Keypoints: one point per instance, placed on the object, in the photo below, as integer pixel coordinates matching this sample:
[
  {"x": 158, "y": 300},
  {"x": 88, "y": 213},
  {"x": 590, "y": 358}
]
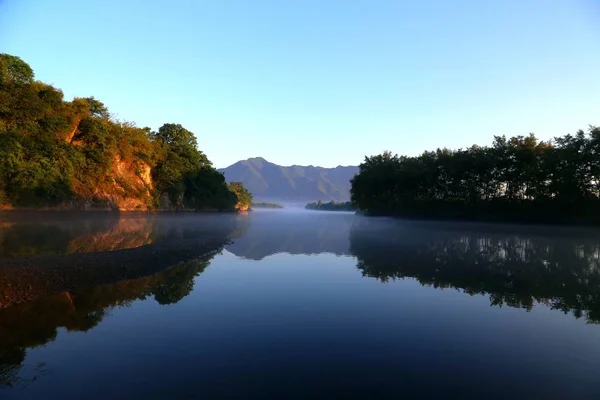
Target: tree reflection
[
  {"x": 92, "y": 266},
  {"x": 35, "y": 323},
  {"x": 24, "y": 234},
  {"x": 514, "y": 270}
]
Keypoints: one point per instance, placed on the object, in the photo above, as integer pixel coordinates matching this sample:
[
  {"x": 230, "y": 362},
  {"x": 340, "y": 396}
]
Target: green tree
[
  {"x": 180, "y": 158},
  {"x": 14, "y": 69},
  {"x": 518, "y": 179},
  {"x": 74, "y": 153},
  {"x": 244, "y": 197},
  {"x": 205, "y": 189}
]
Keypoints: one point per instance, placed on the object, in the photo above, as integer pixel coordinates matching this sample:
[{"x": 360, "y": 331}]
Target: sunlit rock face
[
  {"x": 128, "y": 187},
  {"x": 242, "y": 207}
]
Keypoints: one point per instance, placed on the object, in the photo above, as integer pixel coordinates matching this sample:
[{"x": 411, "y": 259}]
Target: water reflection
[
  {"x": 516, "y": 266},
  {"x": 35, "y": 234},
  {"x": 272, "y": 232},
  {"x": 19, "y": 237},
  {"x": 562, "y": 272},
  {"x": 72, "y": 273},
  {"x": 35, "y": 323}
]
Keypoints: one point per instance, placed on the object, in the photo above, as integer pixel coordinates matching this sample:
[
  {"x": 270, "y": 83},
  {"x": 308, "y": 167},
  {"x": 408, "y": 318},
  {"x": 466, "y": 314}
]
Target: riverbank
[
  {"x": 331, "y": 206},
  {"x": 26, "y": 278},
  {"x": 525, "y": 212},
  {"x": 115, "y": 210}
]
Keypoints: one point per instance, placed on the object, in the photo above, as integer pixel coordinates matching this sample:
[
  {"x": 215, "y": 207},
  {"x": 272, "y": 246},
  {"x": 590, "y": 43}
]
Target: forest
[
  {"x": 331, "y": 206},
  {"x": 74, "y": 154},
  {"x": 521, "y": 179}
]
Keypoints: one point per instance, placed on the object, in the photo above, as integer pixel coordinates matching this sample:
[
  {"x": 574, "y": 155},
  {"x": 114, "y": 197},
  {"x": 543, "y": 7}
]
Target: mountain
[{"x": 268, "y": 181}]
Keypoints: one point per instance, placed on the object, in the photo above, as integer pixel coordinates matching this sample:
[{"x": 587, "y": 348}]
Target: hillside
[
  {"x": 268, "y": 181},
  {"x": 59, "y": 154}
]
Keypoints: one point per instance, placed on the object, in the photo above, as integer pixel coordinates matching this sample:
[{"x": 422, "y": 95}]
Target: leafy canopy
[{"x": 56, "y": 152}]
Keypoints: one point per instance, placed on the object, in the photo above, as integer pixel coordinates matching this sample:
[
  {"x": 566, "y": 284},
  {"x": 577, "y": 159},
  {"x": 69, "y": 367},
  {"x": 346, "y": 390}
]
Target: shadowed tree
[{"x": 516, "y": 179}]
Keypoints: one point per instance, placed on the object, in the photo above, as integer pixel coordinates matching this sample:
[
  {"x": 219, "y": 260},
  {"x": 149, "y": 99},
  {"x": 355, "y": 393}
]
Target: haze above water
[{"x": 295, "y": 304}]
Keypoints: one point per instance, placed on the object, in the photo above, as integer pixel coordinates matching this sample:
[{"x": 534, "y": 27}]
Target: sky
[{"x": 317, "y": 82}]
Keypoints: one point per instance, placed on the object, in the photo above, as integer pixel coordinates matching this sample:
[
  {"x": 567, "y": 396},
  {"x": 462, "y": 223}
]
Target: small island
[
  {"x": 331, "y": 206},
  {"x": 266, "y": 205}
]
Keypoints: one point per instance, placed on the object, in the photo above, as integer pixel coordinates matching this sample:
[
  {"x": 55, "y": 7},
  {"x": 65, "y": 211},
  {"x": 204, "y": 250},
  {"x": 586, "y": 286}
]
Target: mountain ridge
[
  {"x": 269, "y": 181},
  {"x": 258, "y": 158}
]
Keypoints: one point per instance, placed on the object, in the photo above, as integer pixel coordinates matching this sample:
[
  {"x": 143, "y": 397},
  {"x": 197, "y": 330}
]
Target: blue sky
[{"x": 321, "y": 82}]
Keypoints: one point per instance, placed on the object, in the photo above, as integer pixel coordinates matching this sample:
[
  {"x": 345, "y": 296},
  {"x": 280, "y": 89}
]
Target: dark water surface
[{"x": 295, "y": 305}]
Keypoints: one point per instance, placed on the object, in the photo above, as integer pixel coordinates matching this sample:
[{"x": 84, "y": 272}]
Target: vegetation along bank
[
  {"x": 331, "y": 206},
  {"x": 521, "y": 179},
  {"x": 60, "y": 154}
]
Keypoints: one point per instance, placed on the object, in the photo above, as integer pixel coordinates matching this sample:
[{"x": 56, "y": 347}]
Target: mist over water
[{"x": 295, "y": 303}]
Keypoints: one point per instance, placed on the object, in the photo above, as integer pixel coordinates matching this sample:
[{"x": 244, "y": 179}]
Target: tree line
[
  {"x": 331, "y": 206},
  {"x": 516, "y": 179},
  {"x": 55, "y": 152}
]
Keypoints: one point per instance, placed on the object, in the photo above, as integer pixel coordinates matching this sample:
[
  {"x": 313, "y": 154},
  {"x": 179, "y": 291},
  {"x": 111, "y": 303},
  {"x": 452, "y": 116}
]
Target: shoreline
[
  {"x": 491, "y": 221},
  {"x": 113, "y": 210},
  {"x": 32, "y": 277}
]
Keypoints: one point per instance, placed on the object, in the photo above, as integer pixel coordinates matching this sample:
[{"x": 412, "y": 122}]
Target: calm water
[{"x": 296, "y": 304}]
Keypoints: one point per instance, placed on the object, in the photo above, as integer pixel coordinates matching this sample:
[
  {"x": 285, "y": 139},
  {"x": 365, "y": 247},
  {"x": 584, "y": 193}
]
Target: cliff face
[
  {"x": 127, "y": 186},
  {"x": 74, "y": 155},
  {"x": 242, "y": 206}
]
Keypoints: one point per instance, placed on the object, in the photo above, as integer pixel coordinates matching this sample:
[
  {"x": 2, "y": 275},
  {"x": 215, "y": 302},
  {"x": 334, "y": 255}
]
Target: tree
[
  {"x": 518, "y": 179},
  {"x": 73, "y": 153},
  {"x": 183, "y": 142},
  {"x": 97, "y": 108},
  {"x": 244, "y": 197},
  {"x": 180, "y": 160},
  {"x": 14, "y": 70},
  {"x": 205, "y": 189}
]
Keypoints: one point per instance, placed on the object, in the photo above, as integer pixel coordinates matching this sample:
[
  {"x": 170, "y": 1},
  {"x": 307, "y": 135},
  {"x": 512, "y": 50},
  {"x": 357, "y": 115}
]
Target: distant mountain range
[{"x": 271, "y": 182}]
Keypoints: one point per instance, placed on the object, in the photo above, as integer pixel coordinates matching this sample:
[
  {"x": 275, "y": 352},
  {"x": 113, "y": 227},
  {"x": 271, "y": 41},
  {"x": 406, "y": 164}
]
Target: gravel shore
[{"x": 27, "y": 278}]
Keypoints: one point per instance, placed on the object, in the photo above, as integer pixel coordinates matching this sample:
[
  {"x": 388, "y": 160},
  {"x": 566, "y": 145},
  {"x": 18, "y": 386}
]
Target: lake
[{"x": 295, "y": 304}]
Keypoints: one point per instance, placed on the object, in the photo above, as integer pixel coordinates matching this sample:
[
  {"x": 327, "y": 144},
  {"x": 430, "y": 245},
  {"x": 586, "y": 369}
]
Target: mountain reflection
[
  {"x": 62, "y": 273},
  {"x": 272, "y": 232},
  {"x": 562, "y": 272},
  {"x": 516, "y": 266}
]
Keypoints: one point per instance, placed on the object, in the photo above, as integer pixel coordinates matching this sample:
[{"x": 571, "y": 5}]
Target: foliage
[
  {"x": 13, "y": 69},
  {"x": 516, "y": 179},
  {"x": 205, "y": 189},
  {"x": 244, "y": 198},
  {"x": 59, "y": 153},
  {"x": 331, "y": 206}
]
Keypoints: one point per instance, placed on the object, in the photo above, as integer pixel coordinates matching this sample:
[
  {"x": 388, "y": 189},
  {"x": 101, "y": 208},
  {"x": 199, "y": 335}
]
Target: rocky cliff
[{"x": 66, "y": 155}]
